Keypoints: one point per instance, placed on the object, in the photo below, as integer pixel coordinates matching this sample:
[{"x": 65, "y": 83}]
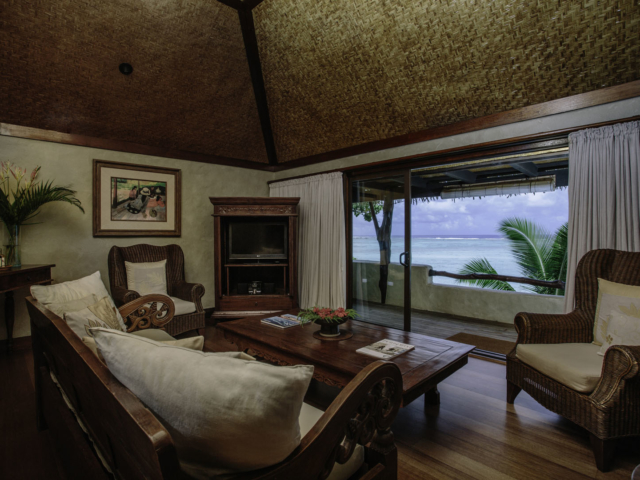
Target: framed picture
[{"x": 135, "y": 200}]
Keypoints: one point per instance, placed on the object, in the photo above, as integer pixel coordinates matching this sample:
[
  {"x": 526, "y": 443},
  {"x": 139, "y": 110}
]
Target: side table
[{"x": 14, "y": 279}]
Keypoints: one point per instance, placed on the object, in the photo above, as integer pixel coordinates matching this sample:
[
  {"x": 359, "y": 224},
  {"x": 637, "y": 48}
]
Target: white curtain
[
  {"x": 604, "y": 198},
  {"x": 321, "y": 240}
]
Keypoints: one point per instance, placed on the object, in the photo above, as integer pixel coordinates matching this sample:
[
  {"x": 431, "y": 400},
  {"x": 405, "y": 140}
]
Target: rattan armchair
[
  {"x": 176, "y": 285},
  {"x": 612, "y": 410}
]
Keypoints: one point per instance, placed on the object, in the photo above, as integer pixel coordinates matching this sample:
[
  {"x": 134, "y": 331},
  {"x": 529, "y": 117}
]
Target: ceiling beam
[
  {"x": 463, "y": 175},
  {"x": 259, "y": 91},
  {"x": 528, "y": 168}
]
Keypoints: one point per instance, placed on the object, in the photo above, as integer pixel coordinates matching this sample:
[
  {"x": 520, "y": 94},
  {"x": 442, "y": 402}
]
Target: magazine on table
[
  {"x": 385, "y": 349},
  {"x": 282, "y": 321}
]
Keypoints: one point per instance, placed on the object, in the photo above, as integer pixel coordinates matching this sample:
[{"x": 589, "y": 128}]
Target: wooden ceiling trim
[
  {"x": 255, "y": 68},
  {"x": 553, "y": 107},
  {"x": 19, "y": 131}
]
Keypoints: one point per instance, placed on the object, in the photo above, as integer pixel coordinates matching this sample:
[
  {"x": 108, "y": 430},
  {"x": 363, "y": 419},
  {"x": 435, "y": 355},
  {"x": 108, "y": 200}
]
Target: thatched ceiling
[
  {"x": 342, "y": 73},
  {"x": 337, "y": 73},
  {"x": 190, "y": 88}
]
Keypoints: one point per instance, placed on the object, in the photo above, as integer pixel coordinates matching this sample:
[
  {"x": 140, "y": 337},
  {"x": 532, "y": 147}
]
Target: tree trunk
[{"x": 383, "y": 235}]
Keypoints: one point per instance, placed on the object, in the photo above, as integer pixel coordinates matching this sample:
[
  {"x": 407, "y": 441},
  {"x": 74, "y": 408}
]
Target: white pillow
[
  {"x": 146, "y": 278},
  {"x": 192, "y": 343},
  {"x": 613, "y": 298},
  {"x": 622, "y": 330},
  {"x": 72, "y": 306},
  {"x": 74, "y": 290},
  {"x": 224, "y": 414},
  {"x": 101, "y": 314}
]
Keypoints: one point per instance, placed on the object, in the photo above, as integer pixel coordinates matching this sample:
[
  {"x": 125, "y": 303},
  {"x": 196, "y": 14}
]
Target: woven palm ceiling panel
[
  {"x": 343, "y": 73},
  {"x": 190, "y": 88}
]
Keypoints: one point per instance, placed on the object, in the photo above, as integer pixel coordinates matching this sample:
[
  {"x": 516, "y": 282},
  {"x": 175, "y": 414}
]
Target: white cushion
[
  {"x": 575, "y": 365},
  {"x": 309, "y": 416},
  {"x": 74, "y": 290},
  {"x": 622, "y": 330},
  {"x": 100, "y": 314},
  {"x": 146, "y": 278},
  {"x": 192, "y": 343},
  {"x": 613, "y": 298},
  {"x": 182, "y": 306},
  {"x": 154, "y": 334},
  {"x": 72, "y": 306},
  {"x": 224, "y": 414}
]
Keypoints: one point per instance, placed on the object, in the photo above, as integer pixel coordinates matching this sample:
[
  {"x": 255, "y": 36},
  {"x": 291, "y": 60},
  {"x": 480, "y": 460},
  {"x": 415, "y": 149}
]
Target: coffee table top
[{"x": 337, "y": 362}]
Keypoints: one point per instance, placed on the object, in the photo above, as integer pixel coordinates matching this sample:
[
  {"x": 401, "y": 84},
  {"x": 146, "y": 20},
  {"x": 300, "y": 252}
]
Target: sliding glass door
[{"x": 380, "y": 258}]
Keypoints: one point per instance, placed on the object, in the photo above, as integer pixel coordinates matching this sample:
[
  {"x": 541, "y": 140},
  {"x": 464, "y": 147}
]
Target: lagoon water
[{"x": 448, "y": 253}]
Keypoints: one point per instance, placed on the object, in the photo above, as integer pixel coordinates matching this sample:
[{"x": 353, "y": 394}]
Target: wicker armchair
[
  {"x": 612, "y": 410},
  {"x": 177, "y": 287}
]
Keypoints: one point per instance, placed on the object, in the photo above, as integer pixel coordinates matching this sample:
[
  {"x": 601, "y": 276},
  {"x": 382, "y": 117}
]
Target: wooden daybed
[{"x": 109, "y": 420}]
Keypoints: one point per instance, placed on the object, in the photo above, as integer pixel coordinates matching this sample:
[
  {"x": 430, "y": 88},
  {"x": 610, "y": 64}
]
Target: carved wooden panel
[{"x": 252, "y": 210}]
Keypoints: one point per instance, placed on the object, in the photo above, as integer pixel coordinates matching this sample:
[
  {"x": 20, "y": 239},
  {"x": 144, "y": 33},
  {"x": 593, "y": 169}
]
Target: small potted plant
[{"x": 328, "y": 319}]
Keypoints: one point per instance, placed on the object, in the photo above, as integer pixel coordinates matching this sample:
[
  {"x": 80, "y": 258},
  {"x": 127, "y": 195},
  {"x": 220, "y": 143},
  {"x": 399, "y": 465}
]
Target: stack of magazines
[
  {"x": 385, "y": 349},
  {"x": 282, "y": 321}
]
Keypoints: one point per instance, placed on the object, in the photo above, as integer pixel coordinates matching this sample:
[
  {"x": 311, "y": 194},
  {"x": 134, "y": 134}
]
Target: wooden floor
[
  {"x": 435, "y": 324},
  {"x": 474, "y": 434}
]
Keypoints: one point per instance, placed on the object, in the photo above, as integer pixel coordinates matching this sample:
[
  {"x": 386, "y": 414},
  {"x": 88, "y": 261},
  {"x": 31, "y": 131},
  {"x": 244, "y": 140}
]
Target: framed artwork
[{"x": 135, "y": 200}]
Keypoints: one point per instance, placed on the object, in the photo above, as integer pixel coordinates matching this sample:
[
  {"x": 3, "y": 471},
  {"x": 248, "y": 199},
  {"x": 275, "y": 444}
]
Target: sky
[{"x": 470, "y": 216}]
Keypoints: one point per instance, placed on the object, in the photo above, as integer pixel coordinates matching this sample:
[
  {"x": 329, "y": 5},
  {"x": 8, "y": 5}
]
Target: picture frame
[{"x": 136, "y": 200}]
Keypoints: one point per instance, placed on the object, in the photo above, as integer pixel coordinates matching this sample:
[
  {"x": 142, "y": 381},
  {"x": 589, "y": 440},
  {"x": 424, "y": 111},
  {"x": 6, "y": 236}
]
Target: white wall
[{"x": 65, "y": 236}]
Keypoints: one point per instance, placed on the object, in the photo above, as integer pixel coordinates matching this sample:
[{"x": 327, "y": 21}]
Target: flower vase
[
  {"x": 12, "y": 257},
  {"x": 329, "y": 330}
]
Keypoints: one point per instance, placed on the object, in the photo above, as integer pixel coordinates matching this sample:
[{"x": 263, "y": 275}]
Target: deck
[{"x": 433, "y": 324}]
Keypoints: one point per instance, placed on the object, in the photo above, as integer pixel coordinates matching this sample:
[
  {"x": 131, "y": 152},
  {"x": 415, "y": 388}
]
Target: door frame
[{"x": 348, "y": 180}]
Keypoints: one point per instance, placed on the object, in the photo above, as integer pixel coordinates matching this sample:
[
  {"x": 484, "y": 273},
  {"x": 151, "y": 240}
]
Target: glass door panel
[{"x": 380, "y": 244}]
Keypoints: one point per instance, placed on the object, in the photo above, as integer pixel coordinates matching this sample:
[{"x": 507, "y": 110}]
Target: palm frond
[
  {"x": 482, "y": 265},
  {"x": 530, "y": 244},
  {"x": 559, "y": 257}
]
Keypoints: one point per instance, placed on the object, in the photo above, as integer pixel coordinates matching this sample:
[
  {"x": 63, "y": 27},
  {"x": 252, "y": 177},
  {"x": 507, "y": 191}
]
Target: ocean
[{"x": 445, "y": 252}]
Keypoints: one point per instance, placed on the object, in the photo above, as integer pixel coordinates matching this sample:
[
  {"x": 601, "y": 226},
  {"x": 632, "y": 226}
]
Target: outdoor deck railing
[{"x": 504, "y": 278}]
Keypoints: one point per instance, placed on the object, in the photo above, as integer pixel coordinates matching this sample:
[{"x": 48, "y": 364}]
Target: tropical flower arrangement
[
  {"x": 21, "y": 197},
  {"x": 329, "y": 319}
]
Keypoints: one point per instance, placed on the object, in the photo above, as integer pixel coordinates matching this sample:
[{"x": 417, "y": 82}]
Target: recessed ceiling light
[{"x": 125, "y": 68}]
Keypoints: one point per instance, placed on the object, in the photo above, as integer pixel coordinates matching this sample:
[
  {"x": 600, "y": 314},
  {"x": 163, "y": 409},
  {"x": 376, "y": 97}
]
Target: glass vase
[{"x": 12, "y": 249}]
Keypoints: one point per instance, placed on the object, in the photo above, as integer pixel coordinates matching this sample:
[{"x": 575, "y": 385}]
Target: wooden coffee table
[{"x": 336, "y": 362}]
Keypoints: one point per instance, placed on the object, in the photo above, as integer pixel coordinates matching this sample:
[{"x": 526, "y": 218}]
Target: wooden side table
[{"x": 14, "y": 279}]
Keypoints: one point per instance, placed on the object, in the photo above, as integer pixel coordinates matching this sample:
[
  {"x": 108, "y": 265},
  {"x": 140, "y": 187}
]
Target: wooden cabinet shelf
[{"x": 232, "y": 274}]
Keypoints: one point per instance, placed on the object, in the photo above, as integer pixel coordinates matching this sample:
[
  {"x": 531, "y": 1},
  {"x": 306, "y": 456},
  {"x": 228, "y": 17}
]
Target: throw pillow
[
  {"x": 192, "y": 343},
  {"x": 224, "y": 414},
  {"x": 622, "y": 330},
  {"x": 72, "y": 306},
  {"x": 74, "y": 290},
  {"x": 613, "y": 298},
  {"x": 146, "y": 278},
  {"x": 101, "y": 314}
]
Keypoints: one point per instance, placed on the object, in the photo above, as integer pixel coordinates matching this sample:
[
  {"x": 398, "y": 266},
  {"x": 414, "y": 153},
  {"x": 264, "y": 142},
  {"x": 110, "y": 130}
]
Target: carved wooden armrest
[
  {"x": 574, "y": 327},
  {"x": 361, "y": 414},
  {"x": 621, "y": 364},
  {"x": 149, "y": 311}
]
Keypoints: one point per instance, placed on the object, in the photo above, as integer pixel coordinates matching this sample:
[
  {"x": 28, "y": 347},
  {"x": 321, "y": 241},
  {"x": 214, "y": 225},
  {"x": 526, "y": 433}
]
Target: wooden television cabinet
[{"x": 279, "y": 276}]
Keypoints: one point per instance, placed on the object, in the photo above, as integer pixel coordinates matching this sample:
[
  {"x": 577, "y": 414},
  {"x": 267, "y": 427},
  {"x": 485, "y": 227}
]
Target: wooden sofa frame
[{"x": 108, "y": 418}]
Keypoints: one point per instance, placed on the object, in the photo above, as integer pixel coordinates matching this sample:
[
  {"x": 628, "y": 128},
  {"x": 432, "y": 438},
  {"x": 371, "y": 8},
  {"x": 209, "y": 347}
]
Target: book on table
[
  {"x": 282, "y": 321},
  {"x": 385, "y": 349}
]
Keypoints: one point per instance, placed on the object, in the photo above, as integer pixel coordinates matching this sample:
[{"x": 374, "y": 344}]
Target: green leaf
[{"x": 482, "y": 265}]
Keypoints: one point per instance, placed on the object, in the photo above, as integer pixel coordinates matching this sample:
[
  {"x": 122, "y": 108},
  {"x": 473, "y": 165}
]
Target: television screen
[{"x": 257, "y": 240}]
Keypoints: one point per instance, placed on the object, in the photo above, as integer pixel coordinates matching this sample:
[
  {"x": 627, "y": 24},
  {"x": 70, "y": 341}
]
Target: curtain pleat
[
  {"x": 321, "y": 245},
  {"x": 604, "y": 194}
]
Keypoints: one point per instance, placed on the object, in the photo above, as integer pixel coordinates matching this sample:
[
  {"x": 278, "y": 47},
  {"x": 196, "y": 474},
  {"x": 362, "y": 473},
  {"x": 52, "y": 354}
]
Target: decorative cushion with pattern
[
  {"x": 100, "y": 314},
  {"x": 622, "y": 329},
  {"x": 613, "y": 298}
]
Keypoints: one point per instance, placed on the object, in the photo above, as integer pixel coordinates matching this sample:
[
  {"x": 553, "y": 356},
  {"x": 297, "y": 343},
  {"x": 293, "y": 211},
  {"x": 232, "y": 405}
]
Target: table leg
[
  {"x": 432, "y": 397},
  {"x": 9, "y": 317}
]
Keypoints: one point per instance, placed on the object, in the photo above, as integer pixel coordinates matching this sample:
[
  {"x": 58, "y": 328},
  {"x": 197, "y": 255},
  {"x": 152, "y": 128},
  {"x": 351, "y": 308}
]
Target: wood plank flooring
[
  {"x": 435, "y": 324},
  {"x": 474, "y": 434}
]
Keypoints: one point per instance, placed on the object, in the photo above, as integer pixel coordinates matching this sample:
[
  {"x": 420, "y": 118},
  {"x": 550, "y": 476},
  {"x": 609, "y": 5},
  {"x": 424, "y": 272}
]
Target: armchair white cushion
[
  {"x": 147, "y": 278},
  {"x": 575, "y": 365}
]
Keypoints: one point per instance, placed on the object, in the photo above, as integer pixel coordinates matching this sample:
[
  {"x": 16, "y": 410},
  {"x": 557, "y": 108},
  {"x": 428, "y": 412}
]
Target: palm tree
[{"x": 539, "y": 254}]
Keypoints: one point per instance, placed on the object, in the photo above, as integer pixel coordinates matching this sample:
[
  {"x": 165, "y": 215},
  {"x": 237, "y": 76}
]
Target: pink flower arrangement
[{"x": 326, "y": 315}]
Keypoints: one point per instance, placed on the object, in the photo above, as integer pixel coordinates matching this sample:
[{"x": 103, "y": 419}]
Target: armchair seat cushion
[
  {"x": 575, "y": 365},
  {"x": 183, "y": 307},
  {"x": 309, "y": 416}
]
